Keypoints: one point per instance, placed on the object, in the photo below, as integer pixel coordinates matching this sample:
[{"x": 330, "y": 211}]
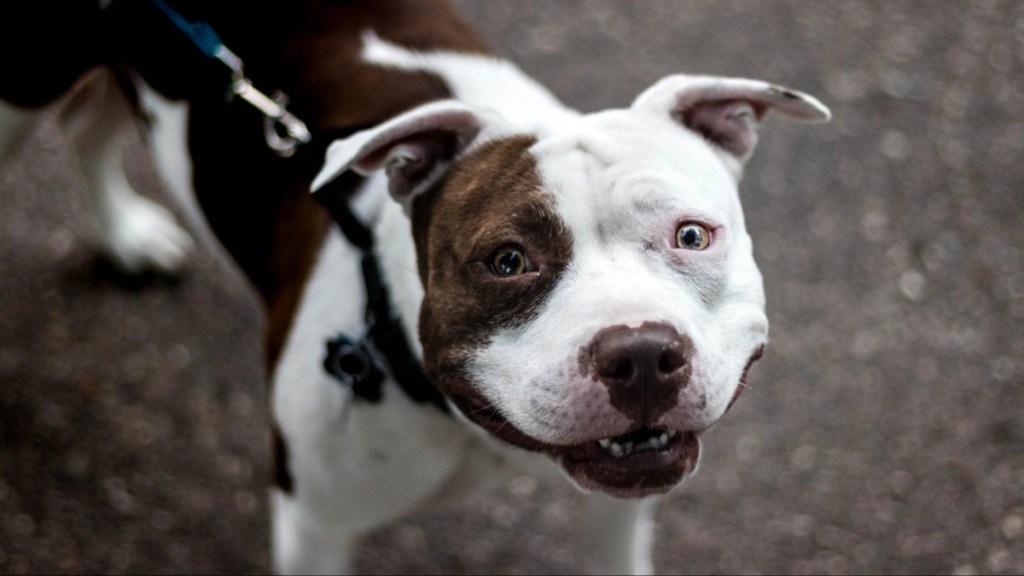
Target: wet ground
[{"x": 884, "y": 432}]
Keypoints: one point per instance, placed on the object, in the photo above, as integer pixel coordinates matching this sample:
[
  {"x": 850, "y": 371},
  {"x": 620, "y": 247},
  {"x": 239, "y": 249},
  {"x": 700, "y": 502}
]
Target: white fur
[{"x": 486, "y": 83}]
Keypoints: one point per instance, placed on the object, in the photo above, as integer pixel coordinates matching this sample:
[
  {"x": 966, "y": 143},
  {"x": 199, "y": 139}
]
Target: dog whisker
[{"x": 751, "y": 388}]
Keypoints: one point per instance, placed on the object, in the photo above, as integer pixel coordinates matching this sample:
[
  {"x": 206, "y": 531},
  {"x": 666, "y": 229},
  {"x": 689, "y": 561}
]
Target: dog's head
[{"x": 590, "y": 290}]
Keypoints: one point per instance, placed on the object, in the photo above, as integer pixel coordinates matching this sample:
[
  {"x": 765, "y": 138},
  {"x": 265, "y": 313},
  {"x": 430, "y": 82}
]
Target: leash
[
  {"x": 283, "y": 131},
  {"x": 358, "y": 363}
]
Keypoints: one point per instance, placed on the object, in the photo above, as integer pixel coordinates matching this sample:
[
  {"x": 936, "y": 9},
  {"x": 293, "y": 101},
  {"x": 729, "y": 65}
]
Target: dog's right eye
[{"x": 510, "y": 261}]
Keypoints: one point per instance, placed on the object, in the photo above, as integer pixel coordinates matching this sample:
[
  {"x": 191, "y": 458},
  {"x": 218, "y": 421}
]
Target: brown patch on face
[
  {"x": 490, "y": 199},
  {"x": 644, "y": 368}
]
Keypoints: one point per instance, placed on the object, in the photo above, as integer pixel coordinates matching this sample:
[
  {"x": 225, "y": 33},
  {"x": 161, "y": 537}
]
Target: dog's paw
[{"x": 143, "y": 236}]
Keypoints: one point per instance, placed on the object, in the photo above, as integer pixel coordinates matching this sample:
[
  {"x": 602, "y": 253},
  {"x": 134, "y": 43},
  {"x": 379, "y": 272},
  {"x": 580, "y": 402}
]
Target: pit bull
[{"x": 576, "y": 292}]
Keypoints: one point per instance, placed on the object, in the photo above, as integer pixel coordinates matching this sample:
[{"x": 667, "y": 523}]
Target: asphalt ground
[{"x": 883, "y": 432}]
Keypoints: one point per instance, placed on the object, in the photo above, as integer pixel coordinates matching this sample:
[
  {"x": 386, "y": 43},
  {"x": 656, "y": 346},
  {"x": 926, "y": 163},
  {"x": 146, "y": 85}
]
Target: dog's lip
[
  {"x": 592, "y": 466},
  {"x": 488, "y": 417}
]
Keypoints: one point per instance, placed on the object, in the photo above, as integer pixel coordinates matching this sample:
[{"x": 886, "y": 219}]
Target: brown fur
[{"x": 492, "y": 198}]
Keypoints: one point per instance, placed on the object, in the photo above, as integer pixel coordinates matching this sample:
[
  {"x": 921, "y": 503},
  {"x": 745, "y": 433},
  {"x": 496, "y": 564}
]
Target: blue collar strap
[{"x": 202, "y": 35}]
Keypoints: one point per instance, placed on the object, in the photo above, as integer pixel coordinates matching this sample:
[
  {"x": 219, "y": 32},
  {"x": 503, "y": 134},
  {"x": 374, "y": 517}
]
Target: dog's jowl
[{"x": 512, "y": 286}]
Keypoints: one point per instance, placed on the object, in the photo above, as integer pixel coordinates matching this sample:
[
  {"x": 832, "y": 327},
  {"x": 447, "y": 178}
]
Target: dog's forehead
[
  {"x": 490, "y": 186},
  {"x": 616, "y": 164},
  {"x": 619, "y": 161}
]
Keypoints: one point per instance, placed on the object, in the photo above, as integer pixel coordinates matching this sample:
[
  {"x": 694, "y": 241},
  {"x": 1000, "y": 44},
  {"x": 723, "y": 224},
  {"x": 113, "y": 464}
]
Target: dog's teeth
[
  {"x": 614, "y": 448},
  {"x": 619, "y": 450}
]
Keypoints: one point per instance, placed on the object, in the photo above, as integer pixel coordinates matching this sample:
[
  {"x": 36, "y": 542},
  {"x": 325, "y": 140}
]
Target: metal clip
[
  {"x": 294, "y": 130},
  {"x": 282, "y": 130},
  {"x": 230, "y": 59}
]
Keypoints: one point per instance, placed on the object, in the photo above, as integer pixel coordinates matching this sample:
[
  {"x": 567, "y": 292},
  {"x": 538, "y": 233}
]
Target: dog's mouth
[
  {"x": 641, "y": 462},
  {"x": 638, "y": 463}
]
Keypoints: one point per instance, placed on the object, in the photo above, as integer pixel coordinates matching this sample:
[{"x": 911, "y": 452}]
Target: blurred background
[{"x": 884, "y": 430}]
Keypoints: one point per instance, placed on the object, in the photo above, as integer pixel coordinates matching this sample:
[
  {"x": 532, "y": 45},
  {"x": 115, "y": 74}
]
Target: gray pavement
[{"x": 884, "y": 431}]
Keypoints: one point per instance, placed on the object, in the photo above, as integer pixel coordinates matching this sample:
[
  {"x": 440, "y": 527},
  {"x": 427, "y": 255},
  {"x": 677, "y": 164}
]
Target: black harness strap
[{"x": 354, "y": 362}]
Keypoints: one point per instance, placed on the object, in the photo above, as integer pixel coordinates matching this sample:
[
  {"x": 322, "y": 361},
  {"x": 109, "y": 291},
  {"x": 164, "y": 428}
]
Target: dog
[{"x": 581, "y": 287}]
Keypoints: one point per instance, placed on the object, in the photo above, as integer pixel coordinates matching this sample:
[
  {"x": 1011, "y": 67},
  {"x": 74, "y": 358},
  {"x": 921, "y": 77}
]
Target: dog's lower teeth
[{"x": 619, "y": 450}]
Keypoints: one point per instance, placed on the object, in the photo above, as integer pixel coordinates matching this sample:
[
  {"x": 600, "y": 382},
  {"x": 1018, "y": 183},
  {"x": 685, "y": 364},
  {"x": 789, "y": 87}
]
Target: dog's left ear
[
  {"x": 414, "y": 148},
  {"x": 727, "y": 111}
]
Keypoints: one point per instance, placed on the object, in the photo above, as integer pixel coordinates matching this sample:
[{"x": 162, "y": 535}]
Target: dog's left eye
[
  {"x": 509, "y": 261},
  {"x": 692, "y": 236}
]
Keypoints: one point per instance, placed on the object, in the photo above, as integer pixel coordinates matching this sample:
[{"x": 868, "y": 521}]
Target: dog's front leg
[
  {"x": 619, "y": 534},
  {"x": 304, "y": 545}
]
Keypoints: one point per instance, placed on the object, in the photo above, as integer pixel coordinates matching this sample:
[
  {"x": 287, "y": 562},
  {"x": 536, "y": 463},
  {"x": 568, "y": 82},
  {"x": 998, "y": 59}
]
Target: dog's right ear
[{"x": 414, "y": 148}]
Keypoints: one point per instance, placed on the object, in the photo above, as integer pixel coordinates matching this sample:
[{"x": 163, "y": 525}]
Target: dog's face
[{"x": 590, "y": 290}]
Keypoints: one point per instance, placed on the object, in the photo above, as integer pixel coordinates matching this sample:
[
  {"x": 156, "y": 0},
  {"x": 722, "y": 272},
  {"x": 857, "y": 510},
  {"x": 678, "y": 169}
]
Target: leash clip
[{"x": 283, "y": 131}]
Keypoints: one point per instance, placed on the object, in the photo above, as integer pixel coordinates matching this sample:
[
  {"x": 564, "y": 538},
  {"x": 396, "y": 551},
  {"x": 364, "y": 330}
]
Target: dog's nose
[{"x": 644, "y": 368}]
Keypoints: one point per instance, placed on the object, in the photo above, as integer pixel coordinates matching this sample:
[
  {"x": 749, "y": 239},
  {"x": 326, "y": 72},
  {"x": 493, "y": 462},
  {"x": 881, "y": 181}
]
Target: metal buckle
[
  {"x": 285, "y": 133},
  {"x": 281, "y": 129}
]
